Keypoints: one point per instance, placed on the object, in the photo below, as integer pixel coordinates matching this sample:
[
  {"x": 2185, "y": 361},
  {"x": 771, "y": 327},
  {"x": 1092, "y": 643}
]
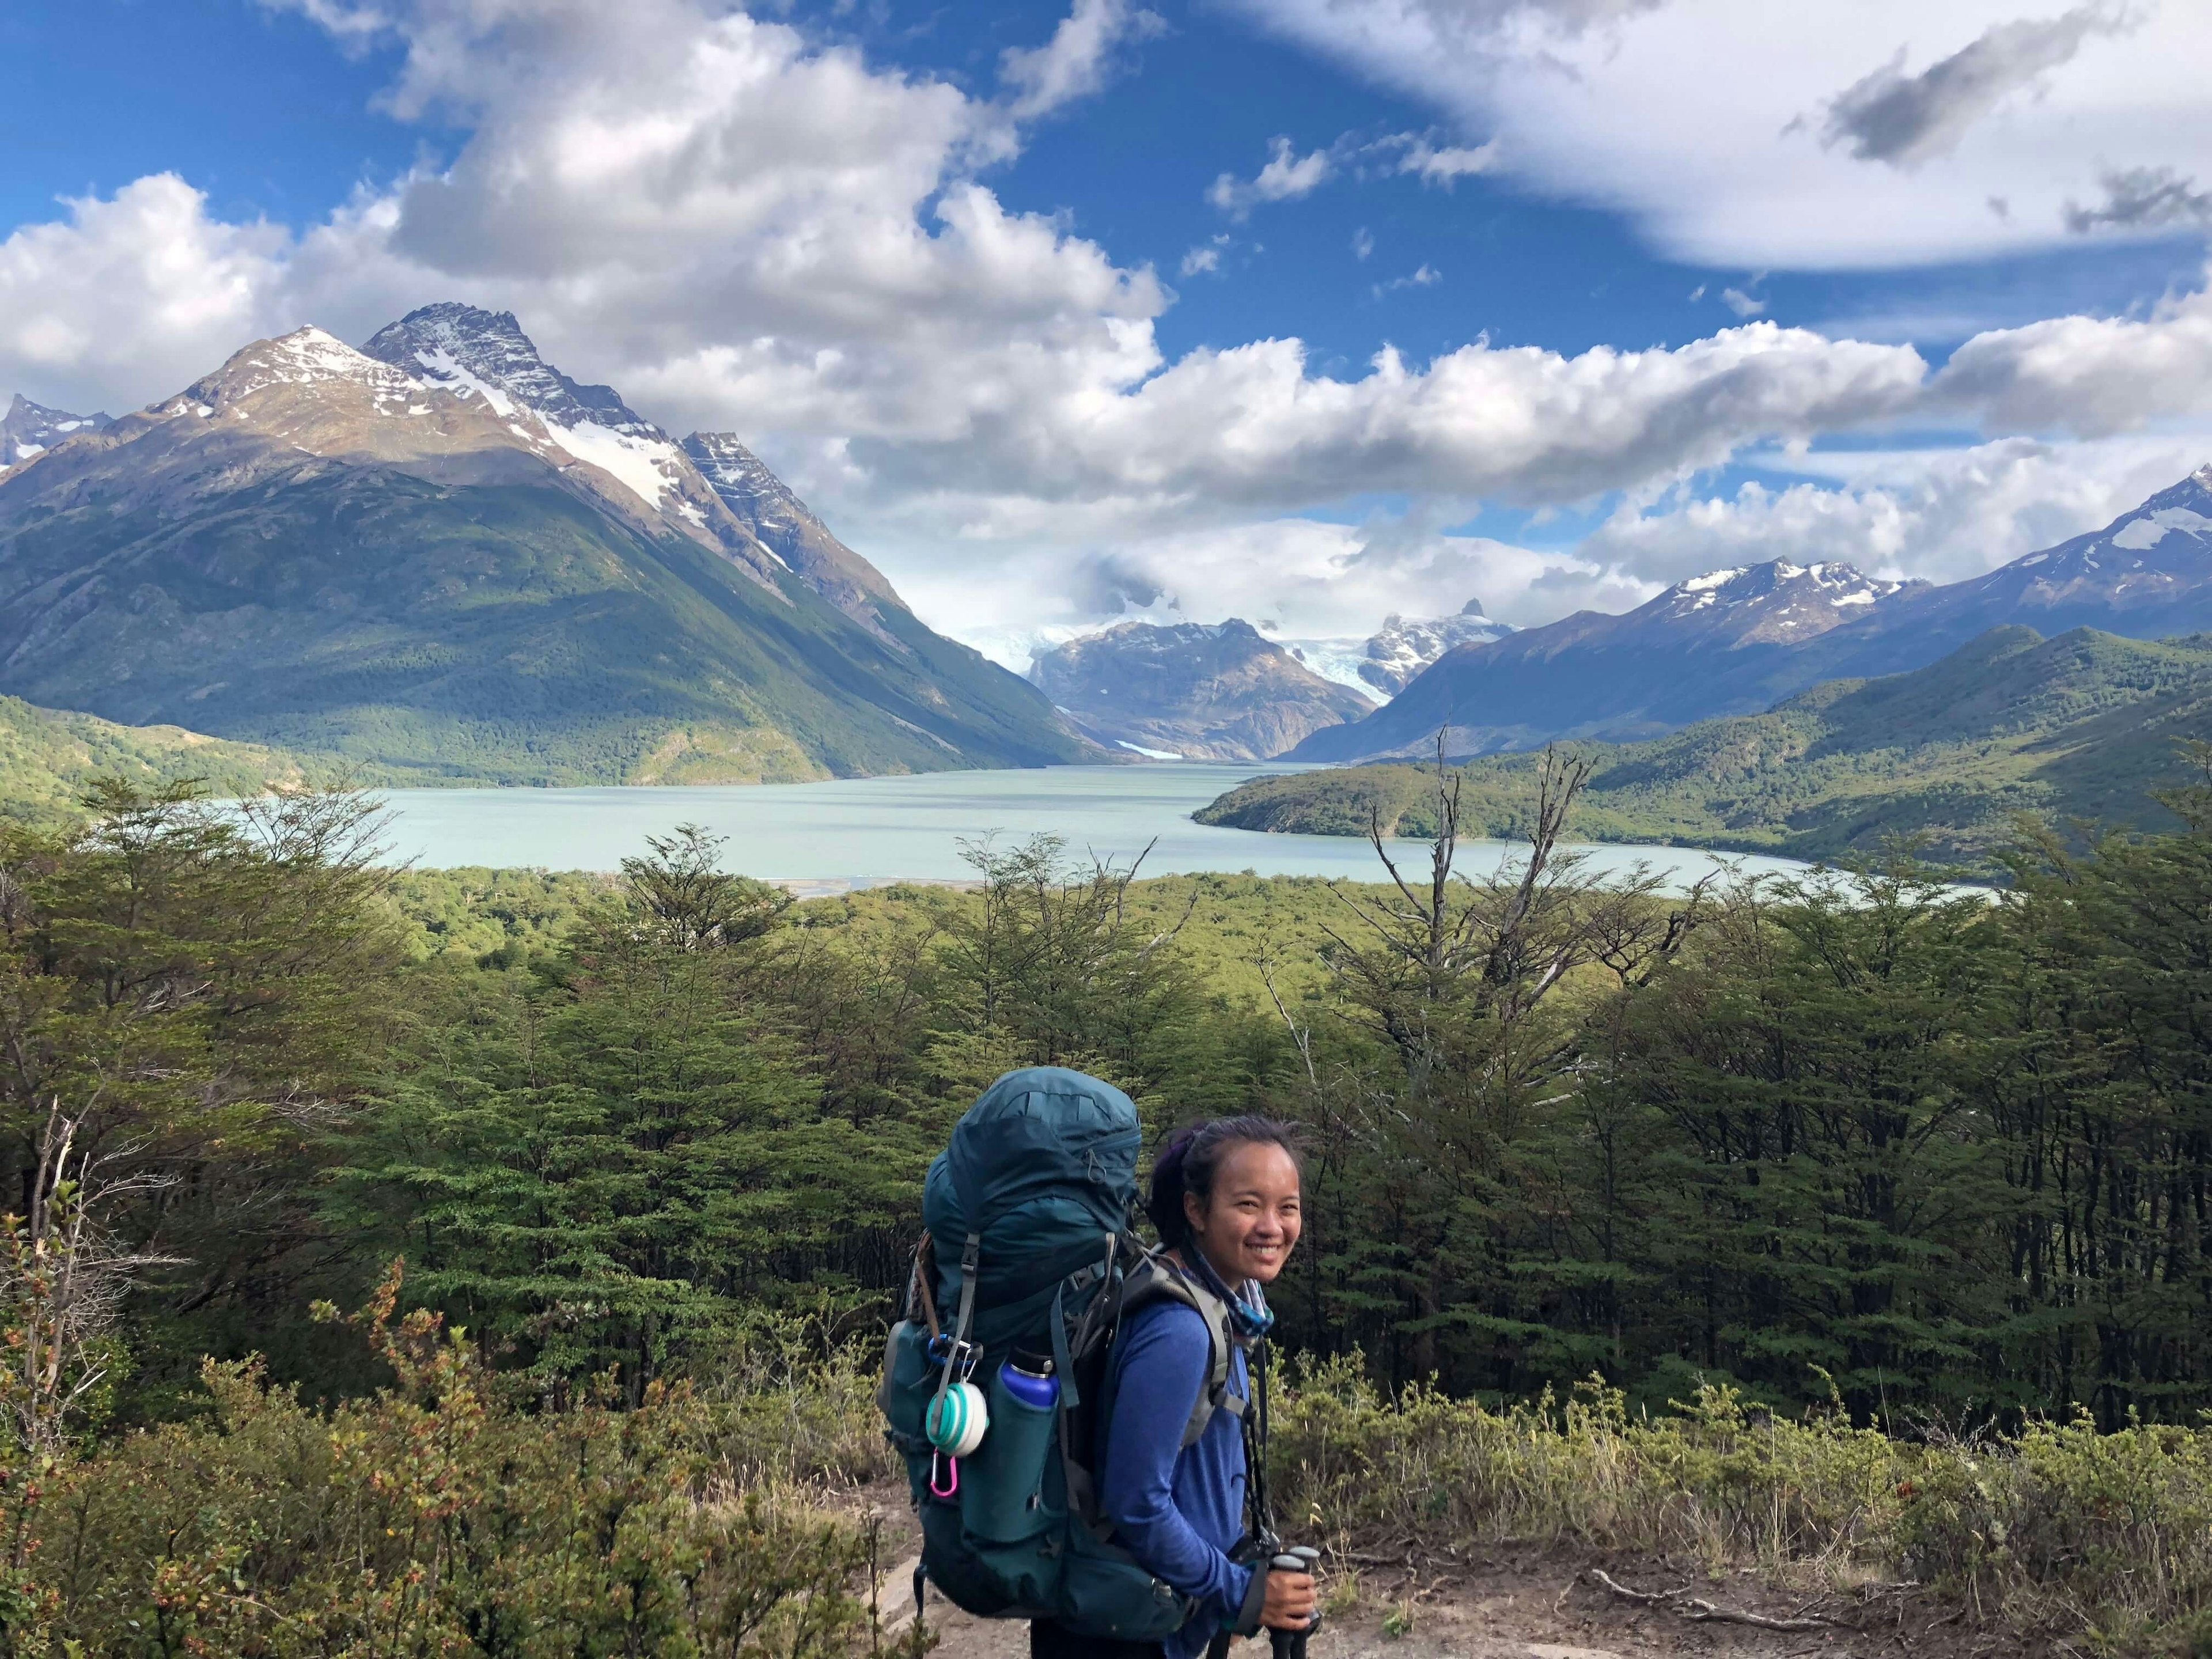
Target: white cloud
[
  {"x": 1427, "y": 275},
  {"x": 1943, "y": 515},
  {"x": 1700, "y": 119},
  {"x": 1362, "y": 243},
  {"x": 134, "y": 294},
  {"x": 1204, "y": 257},
  {"x": 1741, "y": 303},
  {"x": 1285, "y": 177},
  {"x": 1313, "y": 578},
  {"x": 1078, "y": 59},
  {"x": 2087, "y": 376},
  {"x": 1442, "y": 165}
]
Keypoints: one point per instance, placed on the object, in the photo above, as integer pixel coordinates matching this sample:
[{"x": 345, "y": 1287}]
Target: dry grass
[{"x": 2103, "y": 1540}]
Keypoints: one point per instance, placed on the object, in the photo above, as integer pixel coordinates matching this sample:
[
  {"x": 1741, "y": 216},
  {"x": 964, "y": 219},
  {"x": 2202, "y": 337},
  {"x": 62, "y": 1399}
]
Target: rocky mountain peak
[
  {"x": 486, "y": 353},
  {"x": 765, "y": 506},
  {"x": 305, "y": 358},
  {"x": 743, "y": 481},
  {"x": 1398, "y": 651},
  {"x": 1773, "y": 602},
  {"x": 29, "y": 428}
]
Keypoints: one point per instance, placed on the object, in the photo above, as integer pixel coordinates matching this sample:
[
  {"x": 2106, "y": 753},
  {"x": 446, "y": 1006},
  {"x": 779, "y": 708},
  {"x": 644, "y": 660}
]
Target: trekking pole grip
[{"x": 1291, "y": 1643}]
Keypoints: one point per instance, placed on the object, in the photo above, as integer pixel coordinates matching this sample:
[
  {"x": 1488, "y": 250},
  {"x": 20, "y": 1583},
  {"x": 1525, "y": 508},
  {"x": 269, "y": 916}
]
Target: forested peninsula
[
  {"x": 2086, "y": 725},
  {"x": 496, "y": 1261}
]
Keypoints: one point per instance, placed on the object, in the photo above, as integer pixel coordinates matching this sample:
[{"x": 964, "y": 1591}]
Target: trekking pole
[{"x": 1291, "y": 1643}]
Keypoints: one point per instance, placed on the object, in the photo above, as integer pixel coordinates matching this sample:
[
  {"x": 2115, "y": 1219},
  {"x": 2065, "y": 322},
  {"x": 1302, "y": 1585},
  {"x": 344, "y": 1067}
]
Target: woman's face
[{"x": 1251, "y": 1220}]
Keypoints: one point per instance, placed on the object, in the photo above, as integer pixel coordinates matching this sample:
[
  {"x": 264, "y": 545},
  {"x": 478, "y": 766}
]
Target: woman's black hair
[{"x": 1190, "y": 1159}]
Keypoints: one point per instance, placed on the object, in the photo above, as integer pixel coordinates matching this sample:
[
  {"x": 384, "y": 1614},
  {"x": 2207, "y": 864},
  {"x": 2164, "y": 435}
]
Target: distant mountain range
[
  {"x": 441, "y": 559},
  {"x": 1191, "y": 690},
  {"x": 2086, "y": 725},
  {"x": 1226, "y": 691},
  {"x": 1739, "y": 640}
]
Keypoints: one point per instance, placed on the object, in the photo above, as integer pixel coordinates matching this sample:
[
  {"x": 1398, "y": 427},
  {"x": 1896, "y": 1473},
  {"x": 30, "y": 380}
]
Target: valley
[{"x": 439, "y": 560}]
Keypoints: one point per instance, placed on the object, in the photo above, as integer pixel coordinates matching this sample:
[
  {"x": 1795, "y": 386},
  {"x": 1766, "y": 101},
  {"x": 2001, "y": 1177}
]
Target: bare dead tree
[
  {"x": 1494, "y": 948},
  {"x": 63, "y": 1277}
]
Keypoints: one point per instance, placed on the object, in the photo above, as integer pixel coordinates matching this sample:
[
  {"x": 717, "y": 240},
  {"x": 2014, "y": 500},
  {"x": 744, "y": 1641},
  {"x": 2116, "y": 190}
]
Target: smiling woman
[{"x": 1174, "y": 1476}]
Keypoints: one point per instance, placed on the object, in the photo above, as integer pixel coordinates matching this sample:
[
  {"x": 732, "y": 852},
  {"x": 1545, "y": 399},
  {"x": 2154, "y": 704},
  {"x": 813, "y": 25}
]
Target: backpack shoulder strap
[{"x": 1158, "y": 1279}]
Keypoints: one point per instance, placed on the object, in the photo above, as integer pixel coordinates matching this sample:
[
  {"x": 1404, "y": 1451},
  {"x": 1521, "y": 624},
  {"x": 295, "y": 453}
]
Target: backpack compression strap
[{"x": 971, "y": 1205}]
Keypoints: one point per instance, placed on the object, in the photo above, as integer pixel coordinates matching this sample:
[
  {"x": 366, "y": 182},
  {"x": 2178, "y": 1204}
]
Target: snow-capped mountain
[
  {"x": 1707, "y": 646},
  {"x": 1191, "y": 690},
  {"x": 485, "y": 356},
  {"x": 446, "y": 559},
  {"x": 1384, "y": 663},
  {"x": 29, "y": 428},
  {"x": 1398, "y": 651},
  {"x": 1738, "y": 640},
  {"x": 2146, "y": 574},
  {"x": 1777, "y": 602},
  {"x": 709, "y": 485},
  {"x": 487, "y": 352}
]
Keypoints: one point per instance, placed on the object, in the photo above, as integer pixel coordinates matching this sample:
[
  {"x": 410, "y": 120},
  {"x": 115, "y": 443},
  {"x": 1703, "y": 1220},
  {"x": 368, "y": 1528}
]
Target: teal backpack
[{"x": 1028, "y": 1266}]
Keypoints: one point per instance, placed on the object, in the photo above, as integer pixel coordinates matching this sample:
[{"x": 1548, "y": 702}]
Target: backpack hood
[{"x": 1043, "y": 1167}]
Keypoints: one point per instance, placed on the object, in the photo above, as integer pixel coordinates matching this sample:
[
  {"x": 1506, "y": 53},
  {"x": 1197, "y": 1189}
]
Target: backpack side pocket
[
  {"x": 1002, "y": 1493},
  {"x": 902, "y": 1396}
]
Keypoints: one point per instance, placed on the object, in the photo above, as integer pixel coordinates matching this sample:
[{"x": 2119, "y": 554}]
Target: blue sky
[{"x": 994, "y": 284}]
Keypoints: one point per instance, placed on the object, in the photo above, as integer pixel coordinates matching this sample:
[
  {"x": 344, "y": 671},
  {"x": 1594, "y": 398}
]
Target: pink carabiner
[{"x": 952, "y": 1470}]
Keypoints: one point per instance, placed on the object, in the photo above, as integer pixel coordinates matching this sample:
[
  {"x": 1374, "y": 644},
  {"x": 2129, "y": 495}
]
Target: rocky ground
[{"x": 1542, "y": 1604}]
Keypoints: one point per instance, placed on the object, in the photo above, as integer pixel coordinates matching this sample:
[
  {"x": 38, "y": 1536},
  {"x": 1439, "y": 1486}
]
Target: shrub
[{"x": 442, "y": 1515}]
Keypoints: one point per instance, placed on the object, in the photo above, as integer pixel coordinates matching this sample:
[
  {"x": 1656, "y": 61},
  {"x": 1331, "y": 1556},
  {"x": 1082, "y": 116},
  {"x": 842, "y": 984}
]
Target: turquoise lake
[{"x": 866, "y": 830}]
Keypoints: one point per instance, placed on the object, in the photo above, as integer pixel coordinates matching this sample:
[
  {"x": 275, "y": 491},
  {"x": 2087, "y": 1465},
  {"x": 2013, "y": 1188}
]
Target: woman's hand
[{"x": 1290, "y": 1603}]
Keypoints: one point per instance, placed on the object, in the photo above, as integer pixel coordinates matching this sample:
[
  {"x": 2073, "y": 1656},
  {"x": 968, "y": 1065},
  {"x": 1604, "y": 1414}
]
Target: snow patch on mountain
[
  {"x": 444, "y": 366},
  {"x": 28, "y": 429},
  {"x": 646, "y": 465},
  {"x": 2153, "y": 528}
]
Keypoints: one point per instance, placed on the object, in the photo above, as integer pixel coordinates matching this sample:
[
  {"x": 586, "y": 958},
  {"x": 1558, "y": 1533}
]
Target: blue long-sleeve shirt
[{"x": 1178, "y": 1509}]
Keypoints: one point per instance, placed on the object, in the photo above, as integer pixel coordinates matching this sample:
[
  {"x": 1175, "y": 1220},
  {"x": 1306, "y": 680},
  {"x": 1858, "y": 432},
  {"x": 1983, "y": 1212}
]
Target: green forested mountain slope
[
  {"x": 314, "y": 548},
  {"x": 47, "y": 755},
  {"x": 2085, "y": 725},
  {"x": 513, "y": 634}
]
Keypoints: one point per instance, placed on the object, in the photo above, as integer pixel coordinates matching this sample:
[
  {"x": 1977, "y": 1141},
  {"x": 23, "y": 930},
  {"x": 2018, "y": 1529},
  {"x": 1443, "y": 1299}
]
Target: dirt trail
[{"x": 1537, "y": 1604}]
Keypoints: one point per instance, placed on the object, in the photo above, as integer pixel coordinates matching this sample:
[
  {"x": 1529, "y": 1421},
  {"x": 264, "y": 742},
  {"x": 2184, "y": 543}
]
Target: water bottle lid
[{"x": 1038, "y": 1390}]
